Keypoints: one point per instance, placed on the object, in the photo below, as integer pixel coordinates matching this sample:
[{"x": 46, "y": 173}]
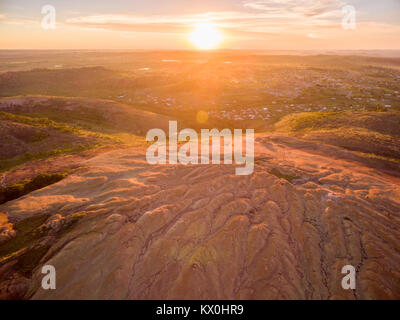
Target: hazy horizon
[{"x": 389, "y": 53}]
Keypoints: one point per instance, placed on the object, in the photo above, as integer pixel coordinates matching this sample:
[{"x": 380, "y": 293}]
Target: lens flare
[{"x": 206, "y": 36}]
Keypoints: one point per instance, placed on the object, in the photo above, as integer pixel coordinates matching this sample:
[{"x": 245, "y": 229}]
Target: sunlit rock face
[{"x": 202, "y": 232}]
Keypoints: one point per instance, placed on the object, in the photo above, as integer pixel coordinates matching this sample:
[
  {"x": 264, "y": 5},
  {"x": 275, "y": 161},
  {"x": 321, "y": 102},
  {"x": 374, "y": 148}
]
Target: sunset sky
[{"x": 168, "y": 24}]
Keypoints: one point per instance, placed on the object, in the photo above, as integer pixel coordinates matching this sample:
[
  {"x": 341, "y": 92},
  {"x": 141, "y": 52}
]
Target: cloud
[
  {"x": 155, "y": 24},
  {"x": 257, "y": 17},
  {"x": 312, "y": 19},
  {"x": 18, "y": 20},
  {"x": 238, "y": 22},
  {"x": 163, "y": 24},
  {"x": 306, "y": 8},
  {"x": 128, "y": 23}
]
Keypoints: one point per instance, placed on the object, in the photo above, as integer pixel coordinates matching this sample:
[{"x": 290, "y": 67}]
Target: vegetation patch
[
  {"x": 26, "y": 248},
  {"x": 70, "y": 223},
  {"x": 38, "y": 122},
  {"x": 280, "y": 175},
  {"x": 30, "y": 156},
  {"x": 17, "y": 190},
  {"x": 74, "y": 138},
  {"x": 20, "y": 246},
  {"x": 305, "y": 121},
  {"x": 29, "y": 260},
  {"x": 27, "y": 231}
]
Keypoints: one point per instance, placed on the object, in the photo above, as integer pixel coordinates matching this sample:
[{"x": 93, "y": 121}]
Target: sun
[{"x": 206, "y": 36}]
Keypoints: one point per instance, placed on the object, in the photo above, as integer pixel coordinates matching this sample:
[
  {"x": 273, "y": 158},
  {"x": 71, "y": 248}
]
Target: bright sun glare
[{"x": 206, "y": 36}]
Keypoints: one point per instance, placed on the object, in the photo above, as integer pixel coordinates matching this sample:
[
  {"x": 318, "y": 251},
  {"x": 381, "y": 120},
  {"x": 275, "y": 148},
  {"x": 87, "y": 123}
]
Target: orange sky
[{"x": 264, "y": 24}]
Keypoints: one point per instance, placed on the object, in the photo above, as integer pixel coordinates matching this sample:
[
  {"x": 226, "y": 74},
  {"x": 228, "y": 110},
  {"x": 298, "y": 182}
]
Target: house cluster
[
  {"x": 273, "y": 92},
  {"x": 268, "y": 112},
  {"x": 165, "y": 102}
]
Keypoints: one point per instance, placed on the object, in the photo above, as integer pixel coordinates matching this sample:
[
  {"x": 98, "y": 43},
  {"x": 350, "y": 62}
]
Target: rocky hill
[{"x": 118, "y": 228}]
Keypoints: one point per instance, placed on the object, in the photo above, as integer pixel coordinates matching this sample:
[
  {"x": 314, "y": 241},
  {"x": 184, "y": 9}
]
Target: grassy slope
[
  {"x": 34, "y": 129},
  {"x": 375, "y": 135}
]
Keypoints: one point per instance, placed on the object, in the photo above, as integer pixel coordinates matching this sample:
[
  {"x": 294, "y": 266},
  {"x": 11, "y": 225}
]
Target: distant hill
[
  {"x": 93, "y": 114},
  {"x": 84, "y": 82}
]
